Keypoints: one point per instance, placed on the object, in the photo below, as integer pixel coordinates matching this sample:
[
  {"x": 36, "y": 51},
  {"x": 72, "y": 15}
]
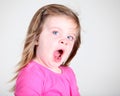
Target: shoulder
[
  {"x": 30, "y": 79},
  {"x": 31, "y": 70},
  {"x": 67, "y": 69},
  {"x": 30, "y": 73}
]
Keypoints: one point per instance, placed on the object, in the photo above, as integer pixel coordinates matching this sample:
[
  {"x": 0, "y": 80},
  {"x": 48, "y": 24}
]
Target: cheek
[
  {"x": 39, "y": 50},
  {"x": 70, "y": 48},
  {"x": 72, "y": 45}
]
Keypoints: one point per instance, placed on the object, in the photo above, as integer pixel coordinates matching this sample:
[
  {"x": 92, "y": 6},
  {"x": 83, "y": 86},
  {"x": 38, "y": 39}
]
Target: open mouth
[
  {"x": 60, "y": 52},
  {"x": 58, "y": 55}
]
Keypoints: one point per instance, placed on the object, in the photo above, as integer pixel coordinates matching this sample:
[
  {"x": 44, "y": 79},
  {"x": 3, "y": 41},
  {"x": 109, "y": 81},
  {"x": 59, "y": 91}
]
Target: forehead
[{"x": 61, "y": 22}]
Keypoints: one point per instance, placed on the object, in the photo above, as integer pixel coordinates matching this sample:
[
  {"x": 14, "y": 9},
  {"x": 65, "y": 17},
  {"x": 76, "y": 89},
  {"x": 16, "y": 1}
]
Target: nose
[{"x": 63, "y": 41}]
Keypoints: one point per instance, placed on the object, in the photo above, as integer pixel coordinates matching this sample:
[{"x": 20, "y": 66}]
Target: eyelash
[
  {"x": 71, "y": 38},
  {"x": 55, "y": 32}
]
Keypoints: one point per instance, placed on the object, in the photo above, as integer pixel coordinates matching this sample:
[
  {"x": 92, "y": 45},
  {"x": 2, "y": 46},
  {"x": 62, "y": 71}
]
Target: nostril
[{"x": 64, "y": 42}]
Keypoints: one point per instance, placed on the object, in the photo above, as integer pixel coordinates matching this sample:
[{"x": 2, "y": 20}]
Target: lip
[{"x": 58, "y": 55}]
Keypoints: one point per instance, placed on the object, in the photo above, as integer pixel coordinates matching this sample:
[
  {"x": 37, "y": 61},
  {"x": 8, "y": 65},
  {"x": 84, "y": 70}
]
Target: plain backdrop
[{"x": 97, "y": 63}]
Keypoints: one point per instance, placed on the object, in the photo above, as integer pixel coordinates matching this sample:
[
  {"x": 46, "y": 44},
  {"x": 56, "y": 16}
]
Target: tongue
[{"x": 57, "y": 56}]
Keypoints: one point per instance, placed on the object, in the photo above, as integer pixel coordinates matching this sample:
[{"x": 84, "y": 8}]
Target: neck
[{"x": 54, "y": 69}]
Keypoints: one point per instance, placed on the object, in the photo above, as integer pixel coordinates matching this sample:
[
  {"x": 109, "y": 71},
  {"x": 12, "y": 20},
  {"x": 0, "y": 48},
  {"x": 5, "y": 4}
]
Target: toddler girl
[{"x": 52, "y": 40}]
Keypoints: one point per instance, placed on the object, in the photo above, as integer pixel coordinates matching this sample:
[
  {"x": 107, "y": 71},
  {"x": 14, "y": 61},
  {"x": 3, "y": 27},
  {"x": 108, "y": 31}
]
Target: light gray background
[{"x": 97, "y": 63}]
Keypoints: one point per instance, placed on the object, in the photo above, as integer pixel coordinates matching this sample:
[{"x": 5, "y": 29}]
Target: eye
[
  {"x": 70, "y": 38},
  {"x": 55, "y": 32}
]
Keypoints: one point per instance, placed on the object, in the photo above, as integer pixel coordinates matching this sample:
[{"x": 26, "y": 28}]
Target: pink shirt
[{"x": 36, "y": 80}]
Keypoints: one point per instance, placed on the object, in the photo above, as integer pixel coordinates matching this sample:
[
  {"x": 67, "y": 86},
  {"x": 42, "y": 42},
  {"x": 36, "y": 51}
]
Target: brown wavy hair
[{"x": 35, "y": 28}]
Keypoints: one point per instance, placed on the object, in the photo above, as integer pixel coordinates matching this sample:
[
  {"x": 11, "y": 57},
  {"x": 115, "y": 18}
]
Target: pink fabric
[{"x": 36, "y": 80}]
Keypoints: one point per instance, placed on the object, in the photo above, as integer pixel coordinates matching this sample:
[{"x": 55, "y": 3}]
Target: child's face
[{"x": 56, "y": 41}]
